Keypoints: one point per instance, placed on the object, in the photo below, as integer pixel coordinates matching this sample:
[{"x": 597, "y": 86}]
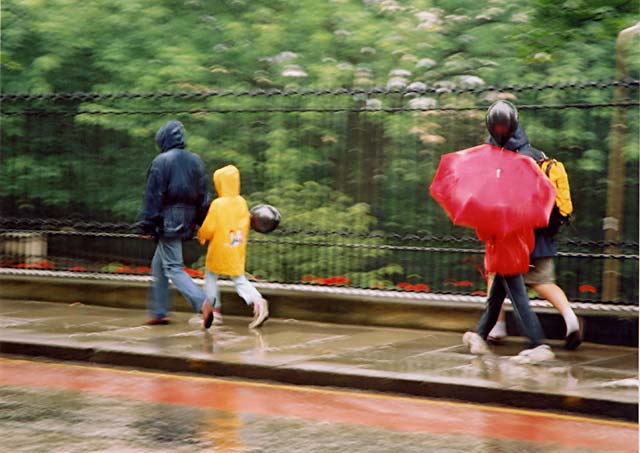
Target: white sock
[
  {"x": 571, "y": 320},
  {"x": 499, "y": 330}
]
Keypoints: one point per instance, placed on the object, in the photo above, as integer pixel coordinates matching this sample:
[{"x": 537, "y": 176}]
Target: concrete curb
[{"x": 297, "y": 375}]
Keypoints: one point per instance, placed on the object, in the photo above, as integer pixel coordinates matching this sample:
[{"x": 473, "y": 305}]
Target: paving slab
[{"x": 600, "y": 380}]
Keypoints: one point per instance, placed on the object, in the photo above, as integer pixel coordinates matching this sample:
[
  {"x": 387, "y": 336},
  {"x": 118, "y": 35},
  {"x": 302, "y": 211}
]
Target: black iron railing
[
  {"x": 359, "y": 161},
  {"x": 402, "y": 262}
]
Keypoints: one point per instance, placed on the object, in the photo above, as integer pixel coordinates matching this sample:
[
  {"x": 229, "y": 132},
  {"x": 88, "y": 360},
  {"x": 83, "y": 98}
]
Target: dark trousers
[{"x": 512, "y": 287}]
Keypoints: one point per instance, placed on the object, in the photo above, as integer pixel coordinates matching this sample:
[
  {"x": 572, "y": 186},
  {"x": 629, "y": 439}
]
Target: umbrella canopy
[{"x": 493, "y": 190}]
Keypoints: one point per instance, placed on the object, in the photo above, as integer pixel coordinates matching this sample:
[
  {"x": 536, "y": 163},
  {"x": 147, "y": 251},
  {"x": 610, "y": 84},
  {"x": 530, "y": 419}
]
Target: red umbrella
[{"x": 493, "y": 190}]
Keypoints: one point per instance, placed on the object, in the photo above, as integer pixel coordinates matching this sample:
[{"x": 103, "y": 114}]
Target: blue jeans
[
  {"x": 167, "y": 264},
  {"x": 513, "y": 287},
  {"x": 244, "y": 288}
]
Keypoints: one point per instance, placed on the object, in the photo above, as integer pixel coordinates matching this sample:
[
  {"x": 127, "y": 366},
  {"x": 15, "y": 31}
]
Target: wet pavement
[
  {"x": 49, "y": 406},
  {"x": 596, "y": 379}
]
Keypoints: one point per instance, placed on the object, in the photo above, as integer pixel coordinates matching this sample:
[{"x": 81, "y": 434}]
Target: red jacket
[{"x": 508, "y": 255}]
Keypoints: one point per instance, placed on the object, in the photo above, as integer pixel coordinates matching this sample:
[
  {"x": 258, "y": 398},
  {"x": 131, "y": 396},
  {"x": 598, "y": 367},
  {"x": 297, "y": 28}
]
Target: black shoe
[
  {"x": 161, "y": 321},
  {"x": 207, "y": 314},
  {"x": 573, "y": 340}
]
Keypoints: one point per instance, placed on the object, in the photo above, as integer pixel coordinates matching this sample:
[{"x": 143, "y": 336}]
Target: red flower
[
  {"x": 123, "y": 270},
  {"x": 44, "y": 264},
  {"x": 341, "y": 280},
  {"x": 194, "y": 272},
  {"x": 587, "y": 289},
  {"x": 143, "y": 270},
  {"x": 461, "y": 283},
  {"x": 333, "y": 280},
  {"x": 421, "y": 287},
  {"x": 78, "y": 269},
  {"x": 417, "y": 287}
]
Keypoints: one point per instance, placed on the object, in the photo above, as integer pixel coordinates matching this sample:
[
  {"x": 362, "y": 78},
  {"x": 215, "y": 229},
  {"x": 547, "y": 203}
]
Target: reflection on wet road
[{"x": 48, "y": 406}]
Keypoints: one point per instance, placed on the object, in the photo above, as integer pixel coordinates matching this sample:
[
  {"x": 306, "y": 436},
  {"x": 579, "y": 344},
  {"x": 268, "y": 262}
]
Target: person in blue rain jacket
[{"x": 175, "y": 203}]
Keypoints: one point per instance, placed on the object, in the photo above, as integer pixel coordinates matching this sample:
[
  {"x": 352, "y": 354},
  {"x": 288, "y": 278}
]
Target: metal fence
[
  {"x": 426, "y": 264},
  {"x": 348, "y": 168}
]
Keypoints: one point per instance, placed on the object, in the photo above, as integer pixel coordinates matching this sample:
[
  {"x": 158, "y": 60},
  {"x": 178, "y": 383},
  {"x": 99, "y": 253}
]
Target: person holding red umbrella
[
  {"x": 541, "y": 275},
  {"x": 504, "y": 197}
]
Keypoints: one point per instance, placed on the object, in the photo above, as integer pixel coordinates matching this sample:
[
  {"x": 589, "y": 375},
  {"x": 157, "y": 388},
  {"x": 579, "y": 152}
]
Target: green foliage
[
  {"x": 381, "y": 278},
  {"x": 353, "y": 172},
  {"x": 312, "y": 207}
]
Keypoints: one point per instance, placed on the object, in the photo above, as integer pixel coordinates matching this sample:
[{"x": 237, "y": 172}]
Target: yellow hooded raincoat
[{"x": 226, "y": 226}]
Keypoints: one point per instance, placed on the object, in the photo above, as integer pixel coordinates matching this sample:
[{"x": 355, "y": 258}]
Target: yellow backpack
[{"x": 563, "y": 209}]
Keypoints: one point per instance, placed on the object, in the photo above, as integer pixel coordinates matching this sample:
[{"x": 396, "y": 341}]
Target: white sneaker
[
  {"x": 475, "y": 343},
  {"x": 538, "y": 354},
  {"x": 217, "y": 317},
  {"x": 260, "y": 313}
]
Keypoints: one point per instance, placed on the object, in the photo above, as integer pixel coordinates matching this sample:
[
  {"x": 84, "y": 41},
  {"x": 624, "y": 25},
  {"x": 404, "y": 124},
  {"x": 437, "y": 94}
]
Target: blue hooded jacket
[
  {"x": 176, "y": 198},
  {"x": 545, "y": 244}
]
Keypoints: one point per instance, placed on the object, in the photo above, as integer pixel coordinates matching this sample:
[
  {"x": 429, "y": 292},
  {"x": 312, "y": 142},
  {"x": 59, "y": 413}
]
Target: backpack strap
[{"x": 549, "y": 163}]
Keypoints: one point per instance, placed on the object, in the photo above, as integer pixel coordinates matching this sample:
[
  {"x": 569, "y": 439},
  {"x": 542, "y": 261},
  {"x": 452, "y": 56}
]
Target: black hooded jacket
[
  {"x": 176, "y": 197},
  {"x": 520, "y": 144},
  {"x": 545, "y": 244}
]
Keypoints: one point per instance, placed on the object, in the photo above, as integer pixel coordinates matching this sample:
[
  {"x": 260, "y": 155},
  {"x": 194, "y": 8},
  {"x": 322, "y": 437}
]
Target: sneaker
[
  {"x": 207, "y": 314},
  {"x": 573, "y": 340},
  {"x": 475, "y": 343},
  {"x": 217, "y": 317},
  {"x": 260, "y": 313},
  {"x": 159, "y": 321},
  {"x": 538, "y": 354}
]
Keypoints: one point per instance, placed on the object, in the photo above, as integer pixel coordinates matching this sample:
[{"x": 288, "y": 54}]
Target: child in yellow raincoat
[{"x": 226, "y": 227}]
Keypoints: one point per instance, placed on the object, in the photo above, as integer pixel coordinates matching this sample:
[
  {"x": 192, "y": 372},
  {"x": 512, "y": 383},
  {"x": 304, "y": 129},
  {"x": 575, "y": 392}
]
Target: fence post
[{"x": 612, "y": 223}]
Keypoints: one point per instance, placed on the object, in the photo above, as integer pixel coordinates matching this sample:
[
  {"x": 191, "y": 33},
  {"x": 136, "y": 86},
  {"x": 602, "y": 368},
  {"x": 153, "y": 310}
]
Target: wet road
[{"x": 61, "y": 407}]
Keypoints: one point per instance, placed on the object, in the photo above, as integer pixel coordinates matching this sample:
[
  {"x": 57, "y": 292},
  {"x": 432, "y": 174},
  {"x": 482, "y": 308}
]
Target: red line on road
[{"x": 380, "y": 411}]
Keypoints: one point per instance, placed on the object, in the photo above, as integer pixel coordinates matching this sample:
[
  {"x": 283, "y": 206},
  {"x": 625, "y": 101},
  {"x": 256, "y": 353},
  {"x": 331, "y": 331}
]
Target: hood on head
[
  {"x": 517, "y": 141},
  {"x": 227, "y": 181},
  {"x": 502, "y": 121},
  {"x": 171, "y": 135},
  {"x": 520, "y": 144}
]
